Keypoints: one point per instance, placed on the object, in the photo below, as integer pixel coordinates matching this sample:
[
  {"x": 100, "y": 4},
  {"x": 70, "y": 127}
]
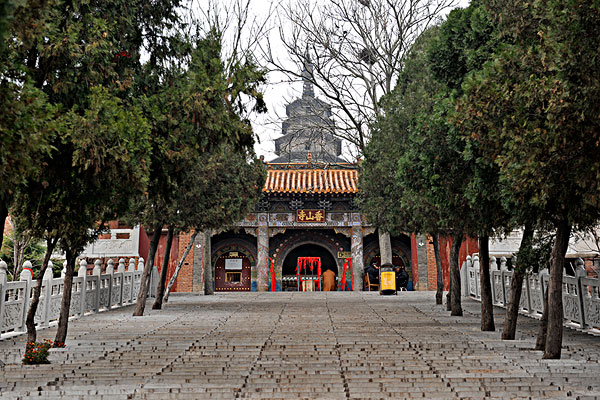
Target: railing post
[
  {"x": 121, "y": 270},
  {"x": 48, "y": 275},
  {"x": 26, "y": 276},
  {"x": 580, "y": 273},
  {"x": 542, "y": 275},
  {"x": 110, "y": 269},
  {"x": 493, "y": 267},
  {"x": 131, "y": 270},
  {"x": 97, "y": 271},
  {"x": 121, "y": 267},
  {"x": 3, "y": 280},
  {"x": 503, "y": 275},
  {"x": 110, "y": 266},
  {"x": 477, "y": 271},
  {"x": 503, "y": 271},
  {"x": 464, "y": 279},
  {"x": 97, "y": 267},
  {"x": 82, "y": 273}
]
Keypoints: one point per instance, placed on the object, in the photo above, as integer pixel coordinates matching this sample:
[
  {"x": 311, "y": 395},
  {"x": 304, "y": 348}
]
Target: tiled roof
[{"x": 311, "y": 181}]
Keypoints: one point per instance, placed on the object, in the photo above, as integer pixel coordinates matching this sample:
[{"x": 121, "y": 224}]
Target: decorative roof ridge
[
  {"x": 313, "y": 180},
  {"x": 312, "y": 165}
]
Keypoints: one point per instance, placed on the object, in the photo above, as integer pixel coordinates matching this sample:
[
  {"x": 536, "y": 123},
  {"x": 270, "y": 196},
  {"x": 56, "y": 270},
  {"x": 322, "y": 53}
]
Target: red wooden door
[{"x": 229, "y": 277}]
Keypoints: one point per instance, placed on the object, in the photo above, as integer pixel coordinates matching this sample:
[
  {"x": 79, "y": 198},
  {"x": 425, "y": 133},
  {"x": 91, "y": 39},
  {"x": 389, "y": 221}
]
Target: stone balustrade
[
  {"x": 581, "y": 295},
  {"x": 90, "y": 293}
]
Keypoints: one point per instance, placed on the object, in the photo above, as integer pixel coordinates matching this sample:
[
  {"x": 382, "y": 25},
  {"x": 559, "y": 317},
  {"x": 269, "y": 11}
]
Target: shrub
[{"x": 37, "y": 352}]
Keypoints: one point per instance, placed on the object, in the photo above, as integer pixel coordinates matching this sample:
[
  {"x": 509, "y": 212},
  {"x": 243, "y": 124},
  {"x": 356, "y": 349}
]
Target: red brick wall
[
  {"x": 160, "y": 254},
  {"x": 185, "y": 279},
  {"x": 431, "y": 267}
]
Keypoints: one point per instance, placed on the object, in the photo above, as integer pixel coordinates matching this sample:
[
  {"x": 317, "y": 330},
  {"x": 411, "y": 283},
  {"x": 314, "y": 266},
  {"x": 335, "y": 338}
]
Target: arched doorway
[{"x": 328, "y": 262}]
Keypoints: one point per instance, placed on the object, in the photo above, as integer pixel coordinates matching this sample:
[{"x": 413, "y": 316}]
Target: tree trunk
[
  {"x": 449, "y": 295},
  {"x": 540, "y": 343},
  {"x": 18, "y": 255},
  {"x": 487, "y": 304},
  {"x": 385, "y": 247},
  {"x": 555, "y": 304},
  {"x": 65, "y": 305},
  {"x": 179, "y": 265},
  {"x": 209, "y": 282},
  {"x": 3, "y": 215},
  {"x": 516, "y": 286},
  {"x": 160, "y": 289},
  {"x": 140, "y": 304},
  {"x": 35, "y": 301},
  {"x": 455, "y": 306},
  {"x": 438, "y": 267}
]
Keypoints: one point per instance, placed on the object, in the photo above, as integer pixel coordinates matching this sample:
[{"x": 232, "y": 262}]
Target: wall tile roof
[{"x": 311, "y": 181}]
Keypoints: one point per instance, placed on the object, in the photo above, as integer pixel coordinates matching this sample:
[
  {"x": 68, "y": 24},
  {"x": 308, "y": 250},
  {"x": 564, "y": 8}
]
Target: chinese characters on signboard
[{"x": 310, "y": 215}]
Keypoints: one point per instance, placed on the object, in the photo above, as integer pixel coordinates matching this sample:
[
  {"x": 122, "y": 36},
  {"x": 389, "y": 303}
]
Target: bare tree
[
  {"x": 357, "y": 49},
  {"x": 241, "y": 30}
]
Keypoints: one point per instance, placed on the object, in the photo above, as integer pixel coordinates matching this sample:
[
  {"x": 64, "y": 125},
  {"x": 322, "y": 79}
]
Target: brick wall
[
  {"x": 185, "y": 279},
  {"x": 173, "y": 256},
  {"x": 431, "y": 267}
]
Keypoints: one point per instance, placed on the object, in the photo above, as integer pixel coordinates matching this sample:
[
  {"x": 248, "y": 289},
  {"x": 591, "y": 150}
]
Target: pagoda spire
[{"x": 308, "y": 89}]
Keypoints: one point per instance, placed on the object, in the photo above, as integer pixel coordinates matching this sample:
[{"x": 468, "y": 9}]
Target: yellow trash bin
[{"x": 387, "y": 280}]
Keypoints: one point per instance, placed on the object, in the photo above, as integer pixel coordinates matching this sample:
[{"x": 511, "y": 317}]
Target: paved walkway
[{"x": 300, "y": 345}]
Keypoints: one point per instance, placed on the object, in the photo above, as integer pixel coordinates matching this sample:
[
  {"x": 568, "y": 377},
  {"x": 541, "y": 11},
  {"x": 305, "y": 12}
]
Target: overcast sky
[{"x": 278, "y": 91}]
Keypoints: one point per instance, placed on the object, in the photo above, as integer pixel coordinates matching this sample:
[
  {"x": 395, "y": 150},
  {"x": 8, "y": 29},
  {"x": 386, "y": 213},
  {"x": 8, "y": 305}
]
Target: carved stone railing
[
  {"x": 90, "y": 293},
  {"x": 581, "y": 295}
]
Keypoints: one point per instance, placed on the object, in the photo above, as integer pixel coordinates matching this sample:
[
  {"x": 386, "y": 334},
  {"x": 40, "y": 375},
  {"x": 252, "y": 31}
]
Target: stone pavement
[{"x": 300, "y": 345}]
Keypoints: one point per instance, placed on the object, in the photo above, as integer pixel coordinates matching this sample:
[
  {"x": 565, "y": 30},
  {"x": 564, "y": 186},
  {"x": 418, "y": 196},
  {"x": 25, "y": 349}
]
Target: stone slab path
[{"x": 300, "y": 345}]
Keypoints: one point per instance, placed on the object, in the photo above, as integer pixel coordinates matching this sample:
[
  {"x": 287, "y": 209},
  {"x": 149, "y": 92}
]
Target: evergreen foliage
[
  {"x": 91, "y": 132},
  {"x": 509, "y": 136}
]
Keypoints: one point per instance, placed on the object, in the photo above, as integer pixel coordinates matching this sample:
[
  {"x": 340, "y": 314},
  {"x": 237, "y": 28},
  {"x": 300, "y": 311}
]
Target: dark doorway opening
[
  {"x": 288, "y": 270},
  {"x": 397, "y": 260}
]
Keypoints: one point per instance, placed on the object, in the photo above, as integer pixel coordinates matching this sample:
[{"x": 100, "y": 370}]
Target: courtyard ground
[{"x": 301, "y": 345}]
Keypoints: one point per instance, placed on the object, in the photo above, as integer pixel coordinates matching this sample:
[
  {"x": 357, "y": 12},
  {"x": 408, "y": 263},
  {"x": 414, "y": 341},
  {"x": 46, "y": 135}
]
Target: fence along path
[
  {"x": 581, "y": 295},
  {"x": 90, "y": 293}
]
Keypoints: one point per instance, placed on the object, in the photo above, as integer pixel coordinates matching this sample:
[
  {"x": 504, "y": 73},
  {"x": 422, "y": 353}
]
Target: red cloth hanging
[
  {"x": 271, "y": 282},
  {"x": 347, "y": 262},
  {"x": 308, "y": 262}
]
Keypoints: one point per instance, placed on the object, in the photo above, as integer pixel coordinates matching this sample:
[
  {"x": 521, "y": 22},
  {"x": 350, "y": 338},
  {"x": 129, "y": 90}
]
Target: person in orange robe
[{"x": 328, "y": 280}]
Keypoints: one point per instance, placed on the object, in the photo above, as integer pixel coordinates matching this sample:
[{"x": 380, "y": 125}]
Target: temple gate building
[{"x": 307, "y": 210}]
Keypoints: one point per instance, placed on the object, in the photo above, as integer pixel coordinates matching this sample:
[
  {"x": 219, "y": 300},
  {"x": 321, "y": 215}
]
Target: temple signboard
[{"x": 310, "y": 215}]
